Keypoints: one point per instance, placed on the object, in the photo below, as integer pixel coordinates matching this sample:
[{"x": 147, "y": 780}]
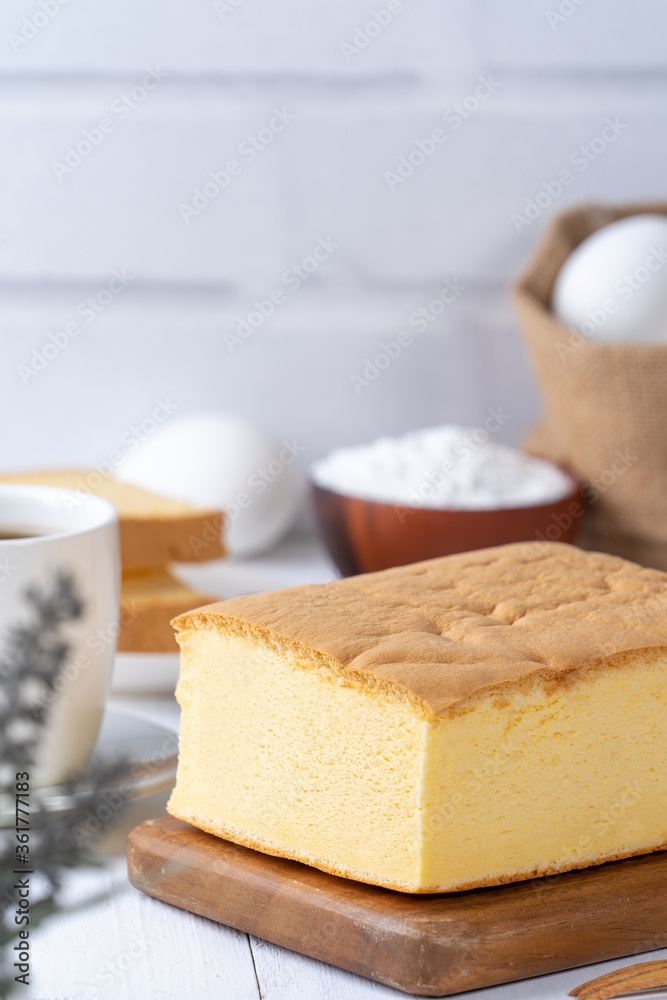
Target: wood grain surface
[
  {"x": 630, "y": 979},
  {"x": 427, "y": 945}
]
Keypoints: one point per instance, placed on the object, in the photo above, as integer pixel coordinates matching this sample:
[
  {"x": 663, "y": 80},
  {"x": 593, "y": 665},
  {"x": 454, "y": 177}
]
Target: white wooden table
[{"x": 131, "y": 947}]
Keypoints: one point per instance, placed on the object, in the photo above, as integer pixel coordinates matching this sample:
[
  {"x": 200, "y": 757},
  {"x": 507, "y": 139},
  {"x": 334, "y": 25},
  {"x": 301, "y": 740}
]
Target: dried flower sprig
[{"x": 34, "y": 656}]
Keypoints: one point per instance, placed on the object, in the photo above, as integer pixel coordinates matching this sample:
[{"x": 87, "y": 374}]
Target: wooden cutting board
[{"x": 432, "y": 945}]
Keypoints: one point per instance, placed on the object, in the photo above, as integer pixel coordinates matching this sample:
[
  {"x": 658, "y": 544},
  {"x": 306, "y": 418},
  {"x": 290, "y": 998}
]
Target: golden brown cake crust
[
  {"x": 448, "y": 629},
  {"x": 149, "y": 599},
  {"x": 145, "y": 627},
  {"x": 154, "y": 530}
]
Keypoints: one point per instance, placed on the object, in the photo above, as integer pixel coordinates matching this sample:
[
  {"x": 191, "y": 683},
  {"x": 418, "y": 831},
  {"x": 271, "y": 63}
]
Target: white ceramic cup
[{"x": 59, "y": 594}]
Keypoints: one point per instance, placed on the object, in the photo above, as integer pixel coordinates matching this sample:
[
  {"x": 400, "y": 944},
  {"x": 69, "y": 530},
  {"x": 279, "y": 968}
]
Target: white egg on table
[
  {"x": 213, "y": 460},
  {"x": 613, "y": 286}
]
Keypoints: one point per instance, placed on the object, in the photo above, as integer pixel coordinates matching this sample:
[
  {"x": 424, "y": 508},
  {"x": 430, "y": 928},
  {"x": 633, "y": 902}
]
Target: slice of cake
[
  {"x": 149, "y": 599},
  {"x": 462, "y": 722},
  {"x": 154, "y": 530}
]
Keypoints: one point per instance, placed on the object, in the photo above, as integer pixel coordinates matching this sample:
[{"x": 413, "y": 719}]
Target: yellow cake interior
[
  {"x": 156, "y": 585},
  {"x": 281, "y": 751}
]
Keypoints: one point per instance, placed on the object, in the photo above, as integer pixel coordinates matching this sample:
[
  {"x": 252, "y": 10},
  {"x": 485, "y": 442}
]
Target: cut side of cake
[
  {"x": 472, "y": 720},
  {"x": 154, "y": 530},
  {"x": 149, "y": 599}
]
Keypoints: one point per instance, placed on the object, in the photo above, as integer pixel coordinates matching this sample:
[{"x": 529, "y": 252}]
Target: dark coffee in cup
[{"x": 23, "y": 531}]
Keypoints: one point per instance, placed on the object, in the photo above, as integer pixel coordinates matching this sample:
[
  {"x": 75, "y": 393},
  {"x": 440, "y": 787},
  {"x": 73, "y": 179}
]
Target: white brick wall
[{"x": 556, "y": 78}]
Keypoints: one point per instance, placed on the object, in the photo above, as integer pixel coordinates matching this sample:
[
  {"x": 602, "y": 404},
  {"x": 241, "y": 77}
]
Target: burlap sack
[{"x": 605, "y": 405}]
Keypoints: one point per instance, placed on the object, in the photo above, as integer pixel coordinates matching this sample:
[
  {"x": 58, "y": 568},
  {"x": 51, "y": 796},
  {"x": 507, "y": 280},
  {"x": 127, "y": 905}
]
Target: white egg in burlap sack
[
  {"x": 222, "y": 461},
  {"x": 613, "y": 286}
]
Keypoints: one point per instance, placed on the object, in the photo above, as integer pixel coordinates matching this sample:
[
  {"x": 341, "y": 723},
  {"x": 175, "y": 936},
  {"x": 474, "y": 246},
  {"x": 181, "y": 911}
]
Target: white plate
[
  {"x": 144, "y": 755},
  {"x": 144, "y": 672}
]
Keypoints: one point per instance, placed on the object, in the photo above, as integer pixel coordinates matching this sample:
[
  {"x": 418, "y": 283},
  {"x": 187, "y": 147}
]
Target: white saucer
[
  {"x": 144, "y": 756},
  {"x": 144, "y": 673}
]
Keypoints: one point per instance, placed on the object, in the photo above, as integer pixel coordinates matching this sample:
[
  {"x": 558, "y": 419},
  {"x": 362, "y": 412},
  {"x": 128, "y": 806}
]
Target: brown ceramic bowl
[{"x": 363, "y": 536}]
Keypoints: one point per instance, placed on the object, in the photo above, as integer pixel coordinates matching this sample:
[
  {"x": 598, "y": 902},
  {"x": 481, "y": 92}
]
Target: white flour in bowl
[{"x": 452, "y": 468}]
